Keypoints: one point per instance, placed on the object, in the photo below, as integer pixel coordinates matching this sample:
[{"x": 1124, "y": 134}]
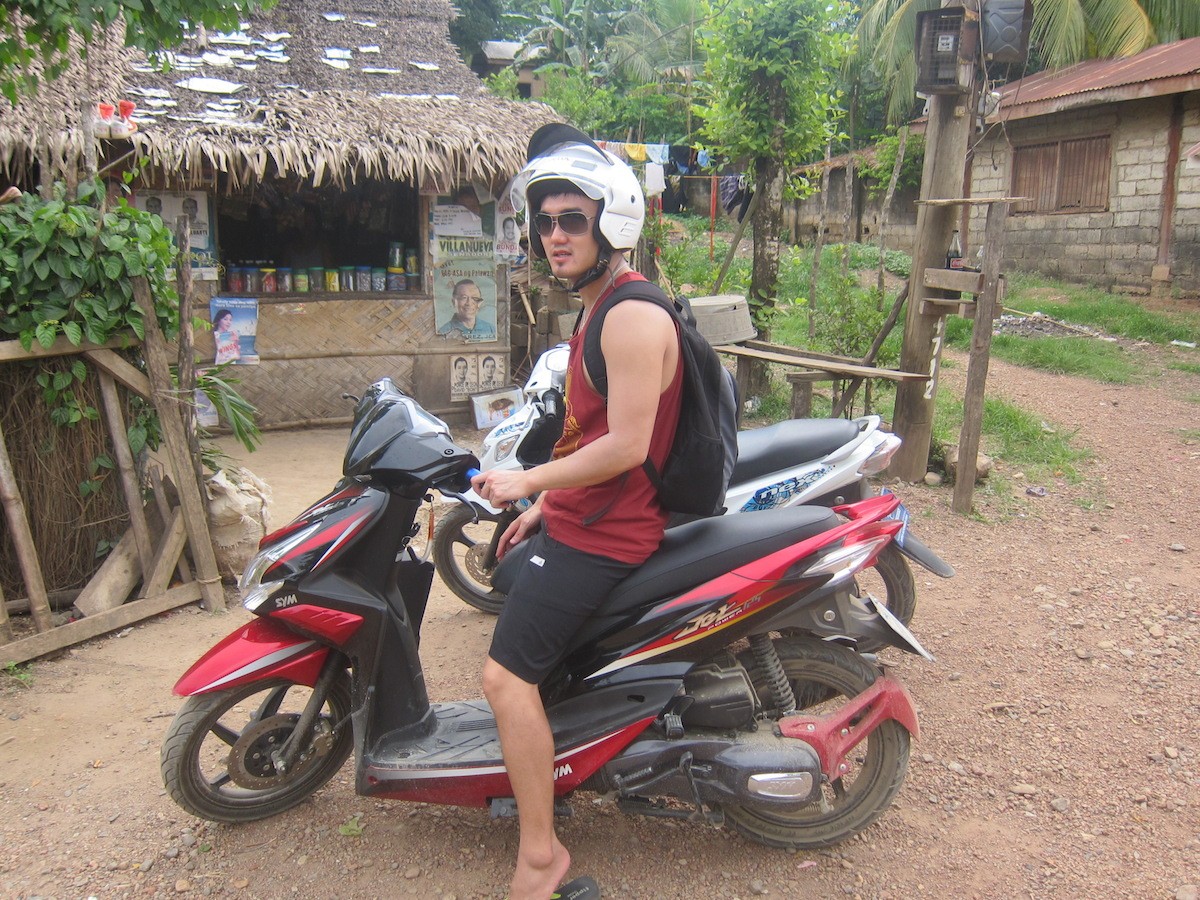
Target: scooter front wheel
[
  {"x": 823, "y": 676},
  {"x": 464, "y": 556},
  {"x": 216, "y": 758}
]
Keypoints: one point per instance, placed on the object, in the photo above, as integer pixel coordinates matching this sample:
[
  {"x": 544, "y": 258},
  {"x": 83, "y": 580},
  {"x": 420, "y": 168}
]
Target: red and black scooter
[{"x": 720, "y": 675}]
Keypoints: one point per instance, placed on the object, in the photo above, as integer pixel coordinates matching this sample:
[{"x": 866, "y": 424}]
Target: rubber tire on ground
[
  {"x": 880, "y": 762},
  {"x": 182, "y": 744},
  {"x": 446, "y": 535}
]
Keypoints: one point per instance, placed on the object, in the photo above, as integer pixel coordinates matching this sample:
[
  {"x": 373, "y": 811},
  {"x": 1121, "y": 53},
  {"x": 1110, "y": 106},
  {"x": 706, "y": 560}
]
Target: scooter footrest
[{"x": 506, "y": 808}]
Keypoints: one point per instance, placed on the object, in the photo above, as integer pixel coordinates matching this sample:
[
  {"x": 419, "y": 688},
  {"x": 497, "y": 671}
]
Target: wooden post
[
  {"x": 187, "y": 344},
  {"x": 22, "y": 538},
  {"x": 6, "y": 634},
  {"x": 951, "y": 121},
  {"x": 129, "y": 481},
  {"x": 977, "y": 366},
  {"x": 190, "y": 497}
]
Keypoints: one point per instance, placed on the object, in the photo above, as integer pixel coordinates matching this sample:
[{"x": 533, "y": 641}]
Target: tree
[
  {"x": 474, "y": 24},
  {"x": 1064, "y": 32},
  {"x": 36, "y": 34},
  {"x": 772, "y": 106}
]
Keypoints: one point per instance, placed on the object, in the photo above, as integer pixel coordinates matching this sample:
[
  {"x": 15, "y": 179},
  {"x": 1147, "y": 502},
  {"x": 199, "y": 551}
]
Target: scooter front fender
[{"x": 258, "y": 650}]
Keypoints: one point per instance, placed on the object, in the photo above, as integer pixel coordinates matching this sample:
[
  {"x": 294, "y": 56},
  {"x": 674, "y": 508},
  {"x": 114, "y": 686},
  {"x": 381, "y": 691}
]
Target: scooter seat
[
  {"x": 698, "y": 551},
  {"x": 787, "y": 444}
]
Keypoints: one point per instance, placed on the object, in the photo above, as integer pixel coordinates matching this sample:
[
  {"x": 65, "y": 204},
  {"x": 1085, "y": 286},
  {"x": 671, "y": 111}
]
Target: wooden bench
[{"x": 812, "y": 368}]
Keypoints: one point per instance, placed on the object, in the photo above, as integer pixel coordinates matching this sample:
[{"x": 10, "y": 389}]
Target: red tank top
[{"x": 620, "y": 518}]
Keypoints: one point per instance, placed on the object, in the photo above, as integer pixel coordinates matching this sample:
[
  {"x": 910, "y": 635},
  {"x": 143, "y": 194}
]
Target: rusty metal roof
[{"x": 1165, "y": 69}]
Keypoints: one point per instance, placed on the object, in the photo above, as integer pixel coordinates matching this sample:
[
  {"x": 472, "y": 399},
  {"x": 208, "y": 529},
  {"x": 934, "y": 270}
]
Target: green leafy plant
[
  {"x": 66, "y": 265},
  {"x": 19, "y": 675},
  {"x": 352, "y": 827}
]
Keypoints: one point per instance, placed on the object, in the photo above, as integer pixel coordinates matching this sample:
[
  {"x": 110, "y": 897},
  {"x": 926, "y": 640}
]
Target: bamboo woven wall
[{"x": 312, "y": 351}]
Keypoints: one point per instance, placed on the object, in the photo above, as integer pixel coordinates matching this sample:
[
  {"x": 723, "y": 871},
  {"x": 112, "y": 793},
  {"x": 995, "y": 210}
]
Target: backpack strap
[{"x": 593, "y": 355}]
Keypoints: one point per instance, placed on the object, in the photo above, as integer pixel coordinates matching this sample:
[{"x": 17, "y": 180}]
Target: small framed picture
[{"x": 494, "y": 407}]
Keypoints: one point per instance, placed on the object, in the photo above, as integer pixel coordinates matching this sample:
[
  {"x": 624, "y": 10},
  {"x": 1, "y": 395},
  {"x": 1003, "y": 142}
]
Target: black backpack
[{"x": 698, "y": 467}]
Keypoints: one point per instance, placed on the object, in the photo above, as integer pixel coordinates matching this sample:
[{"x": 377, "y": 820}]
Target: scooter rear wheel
[
  {"x": 823, "y": 676},
  {"x": 216, "y": 756},
  {"x": 891, "y": 581},
  {"x": 460, "y": 556}
]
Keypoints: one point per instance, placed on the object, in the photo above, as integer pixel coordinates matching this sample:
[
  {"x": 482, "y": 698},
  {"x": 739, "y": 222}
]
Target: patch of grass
[
  {"x": 1021, "y": 440},
  {"x": 1190, "y": 434},
  {"x": 1111, "y": 313},
  {"x": 1086, "y": 357},
  {"x": 1190, "y": 368},
  {"x": 18, "y": 675}
]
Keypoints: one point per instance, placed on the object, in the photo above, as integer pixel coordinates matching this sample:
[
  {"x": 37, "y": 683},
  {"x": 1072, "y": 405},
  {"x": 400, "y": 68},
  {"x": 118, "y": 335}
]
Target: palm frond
[
  {"x": 1060, "y": 28},
  {"x": 1120, "y": 27}
]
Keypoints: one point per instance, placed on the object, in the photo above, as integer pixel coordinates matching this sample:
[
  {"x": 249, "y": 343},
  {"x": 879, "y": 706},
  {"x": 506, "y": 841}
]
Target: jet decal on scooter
[{"x": 780, "y": 493}]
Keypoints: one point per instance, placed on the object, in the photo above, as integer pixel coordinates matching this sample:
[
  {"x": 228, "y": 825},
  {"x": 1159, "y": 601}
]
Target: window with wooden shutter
[{"x": 1062, "y": 176}]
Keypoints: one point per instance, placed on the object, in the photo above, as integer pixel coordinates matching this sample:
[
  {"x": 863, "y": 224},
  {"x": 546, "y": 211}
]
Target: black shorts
[{"x": 556, "y": 590}]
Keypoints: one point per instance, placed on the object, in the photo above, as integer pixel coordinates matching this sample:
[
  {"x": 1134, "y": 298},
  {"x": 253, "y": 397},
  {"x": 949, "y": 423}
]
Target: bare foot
[{"x": 537, "y": 882}]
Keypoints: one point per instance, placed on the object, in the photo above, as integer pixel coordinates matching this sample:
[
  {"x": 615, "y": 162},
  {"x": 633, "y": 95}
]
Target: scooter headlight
[
  {"x": 254, "y": 589},
  {"x": 881, "y": 456},
  {"x": 506, "y": 446}
]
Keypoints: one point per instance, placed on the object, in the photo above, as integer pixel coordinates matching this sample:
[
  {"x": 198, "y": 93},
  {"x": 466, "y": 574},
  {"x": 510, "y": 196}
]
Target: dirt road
[{"x": 1059, "y": 757}]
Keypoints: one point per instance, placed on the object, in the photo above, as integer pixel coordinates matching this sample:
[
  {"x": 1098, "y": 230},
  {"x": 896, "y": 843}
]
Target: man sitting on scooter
[{"x": 597, "y": 516}]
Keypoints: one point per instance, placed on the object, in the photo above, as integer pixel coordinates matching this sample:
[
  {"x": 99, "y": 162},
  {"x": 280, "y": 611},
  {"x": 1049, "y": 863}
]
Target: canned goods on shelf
[
  {"x": 362, "y": 278},
  {"x": 235, "y": 280},
  {"x": 378, "y": 279},
  {"x": 283, "y": 280},
  {"x": 300, "y": 281},
  {"x": 346, "y": 279},
  {"x": 395, "y": 279},
  {"x": 395, "y": 255},
  {"x": 268, "y": 280},
  {"x": 331, "y": 280},
  {"x": 254, "y": 281}
]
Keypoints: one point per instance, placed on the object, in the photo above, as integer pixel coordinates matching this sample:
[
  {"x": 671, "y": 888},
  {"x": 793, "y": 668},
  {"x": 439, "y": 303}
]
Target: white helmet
[{"x": 559, "y": 153}]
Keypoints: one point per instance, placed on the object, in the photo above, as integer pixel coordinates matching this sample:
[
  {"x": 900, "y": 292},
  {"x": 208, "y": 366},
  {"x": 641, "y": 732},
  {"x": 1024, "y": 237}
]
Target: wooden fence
[{"x": 159, "y": 567}]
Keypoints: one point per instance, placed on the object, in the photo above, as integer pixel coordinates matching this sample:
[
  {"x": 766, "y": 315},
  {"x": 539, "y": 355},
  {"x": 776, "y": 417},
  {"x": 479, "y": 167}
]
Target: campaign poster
[
  {"x": 464, "y": 376},
  {"x": 493, "y": 371},
  {"x": 464, "y": 299},
  {"x": 169, "y": 205},
  {"x": 235, "y": 328}
]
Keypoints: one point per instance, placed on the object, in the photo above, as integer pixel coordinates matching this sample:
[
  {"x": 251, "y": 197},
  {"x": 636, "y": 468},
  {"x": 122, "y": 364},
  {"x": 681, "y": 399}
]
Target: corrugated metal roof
[{"x": 1165, "y": 69}]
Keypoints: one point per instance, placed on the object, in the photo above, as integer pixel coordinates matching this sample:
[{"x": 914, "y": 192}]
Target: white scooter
[{"x": 820, "y": 462}]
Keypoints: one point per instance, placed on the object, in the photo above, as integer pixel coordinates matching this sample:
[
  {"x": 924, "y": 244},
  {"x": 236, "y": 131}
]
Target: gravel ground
[{"x": 1058, "y": 755}]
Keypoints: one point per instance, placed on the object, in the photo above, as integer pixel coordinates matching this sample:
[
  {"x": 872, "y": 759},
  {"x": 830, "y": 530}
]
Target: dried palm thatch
[
  {"x": 378, "y": 93},
  {"x": 50, "y": 462}
]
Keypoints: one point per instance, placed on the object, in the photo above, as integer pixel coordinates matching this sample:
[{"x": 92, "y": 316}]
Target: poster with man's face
[
  {"x": 169, "y": 206},
  {"x": 464, "y": 376},
  {"x": 464, "y": 300}
]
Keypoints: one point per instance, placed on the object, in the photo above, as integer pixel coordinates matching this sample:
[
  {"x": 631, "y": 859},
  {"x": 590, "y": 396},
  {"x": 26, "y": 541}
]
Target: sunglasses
[{"x": 569, "y": 222}]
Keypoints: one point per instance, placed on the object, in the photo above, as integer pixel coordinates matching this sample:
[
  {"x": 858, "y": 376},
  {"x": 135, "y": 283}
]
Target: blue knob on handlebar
[{"x": 472, "y": 472}]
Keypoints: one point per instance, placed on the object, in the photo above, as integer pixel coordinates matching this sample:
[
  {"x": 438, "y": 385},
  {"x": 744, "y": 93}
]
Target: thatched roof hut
[
  {"x": 318, "y": 138},
  {"x": 375, "y": 90}
]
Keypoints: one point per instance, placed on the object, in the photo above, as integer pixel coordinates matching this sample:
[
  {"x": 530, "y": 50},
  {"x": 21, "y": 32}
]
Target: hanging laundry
[
  {"x": 656, "y": 181},
  {"x": 636, "y": 152},
  {"x": 734, "y": 192},
  {"x": 681, "y": 158},
  {"x": 703, "y": 158},
  {"x": 658, "y": 153}
]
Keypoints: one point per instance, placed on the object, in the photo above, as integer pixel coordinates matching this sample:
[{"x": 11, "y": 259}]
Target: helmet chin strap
[{"x": 596, "y": 271}]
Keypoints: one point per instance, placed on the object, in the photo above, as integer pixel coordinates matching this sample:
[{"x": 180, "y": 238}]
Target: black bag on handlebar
[{"x": 697, "y": 469}]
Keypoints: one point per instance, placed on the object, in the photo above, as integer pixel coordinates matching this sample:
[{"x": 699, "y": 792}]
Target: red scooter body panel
[{"x": 258, "y": 650}]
